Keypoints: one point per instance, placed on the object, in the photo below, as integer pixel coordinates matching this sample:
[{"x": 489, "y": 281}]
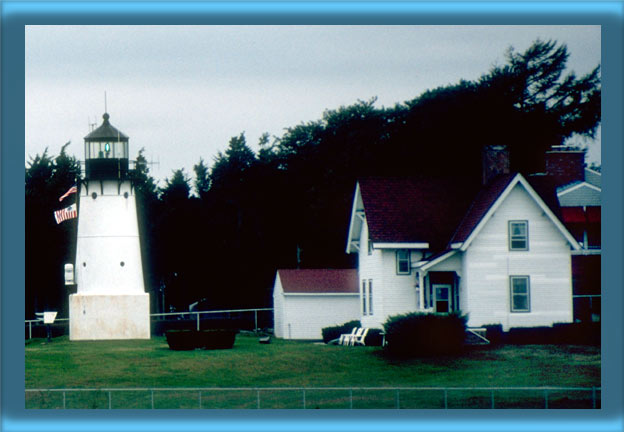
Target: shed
[{"x": 306, "y": 301}]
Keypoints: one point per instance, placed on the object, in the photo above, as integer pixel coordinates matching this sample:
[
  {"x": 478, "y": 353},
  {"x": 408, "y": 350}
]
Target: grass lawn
[{"x": 151, "y": 364}]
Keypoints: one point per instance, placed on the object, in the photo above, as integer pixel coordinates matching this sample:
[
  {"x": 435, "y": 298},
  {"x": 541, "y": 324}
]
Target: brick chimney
[
  {"x": 495, "y": 161},
  {"x": 565, "y": 164}
]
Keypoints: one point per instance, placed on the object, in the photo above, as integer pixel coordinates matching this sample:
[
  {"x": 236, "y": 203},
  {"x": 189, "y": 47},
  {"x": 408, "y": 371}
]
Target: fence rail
[
  {"x": 196, "y": 315},
  {"x": 316, "y": 397}
]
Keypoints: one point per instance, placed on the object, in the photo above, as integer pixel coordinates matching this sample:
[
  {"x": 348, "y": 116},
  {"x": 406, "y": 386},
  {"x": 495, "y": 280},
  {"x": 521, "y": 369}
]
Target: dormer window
[{"x": 518, "y": 235}]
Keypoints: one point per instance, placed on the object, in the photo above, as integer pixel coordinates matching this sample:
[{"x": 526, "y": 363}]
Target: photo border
[{"x": 17, "y": 15}]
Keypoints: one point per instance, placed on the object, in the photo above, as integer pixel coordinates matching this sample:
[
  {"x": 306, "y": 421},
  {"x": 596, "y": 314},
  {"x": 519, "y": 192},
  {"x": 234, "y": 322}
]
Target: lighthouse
[{"x": 110, "y": 301}]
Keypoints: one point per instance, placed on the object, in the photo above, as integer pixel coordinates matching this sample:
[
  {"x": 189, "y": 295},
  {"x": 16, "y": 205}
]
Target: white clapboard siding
[
  {"x": 370, "y": 267},
  {"x": 488, "y": 264},
  {"x": 303, "y": 316}
]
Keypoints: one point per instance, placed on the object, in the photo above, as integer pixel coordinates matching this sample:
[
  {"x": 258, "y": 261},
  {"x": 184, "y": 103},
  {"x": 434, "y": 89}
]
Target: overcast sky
[{"x": 183, "y": 91}]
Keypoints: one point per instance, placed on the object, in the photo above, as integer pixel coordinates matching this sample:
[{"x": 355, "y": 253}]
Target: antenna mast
[{"x": 105, "y": 107}]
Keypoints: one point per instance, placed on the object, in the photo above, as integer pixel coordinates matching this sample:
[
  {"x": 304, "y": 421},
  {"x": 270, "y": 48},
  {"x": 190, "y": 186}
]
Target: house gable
[
  {"x": 470, "y": 233},
  {"x": 593, "y": 177},
  {"x": 579, "y": 195}
]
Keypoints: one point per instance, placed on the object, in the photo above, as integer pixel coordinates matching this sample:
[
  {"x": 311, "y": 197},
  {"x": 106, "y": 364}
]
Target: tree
[
  {"x": 147, "y": 214},
  {"x": 48, "y": 245},
  {"x": 202, "y": 179},
  {"x": 176, "y": 189}
]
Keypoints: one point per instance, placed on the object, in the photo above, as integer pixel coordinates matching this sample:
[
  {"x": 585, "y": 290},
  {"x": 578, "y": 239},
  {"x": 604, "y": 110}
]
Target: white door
[{"x": 442, "y": 299}]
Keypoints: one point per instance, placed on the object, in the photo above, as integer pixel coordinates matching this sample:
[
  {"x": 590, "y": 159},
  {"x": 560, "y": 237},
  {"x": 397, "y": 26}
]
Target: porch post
[{"x": 421, "y": 292}]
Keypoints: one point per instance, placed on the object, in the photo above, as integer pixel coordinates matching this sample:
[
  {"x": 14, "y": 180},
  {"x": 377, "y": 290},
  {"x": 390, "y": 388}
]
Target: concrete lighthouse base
[{"x": 102, "y": 317}]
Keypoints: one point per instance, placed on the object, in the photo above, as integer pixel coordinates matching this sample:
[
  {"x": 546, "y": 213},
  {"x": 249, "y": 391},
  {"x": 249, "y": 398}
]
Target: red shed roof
[{"x": 321, "y": 281}]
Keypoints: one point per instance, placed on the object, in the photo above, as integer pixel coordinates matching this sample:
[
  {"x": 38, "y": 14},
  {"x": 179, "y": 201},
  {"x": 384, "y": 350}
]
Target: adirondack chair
[
  {"x": 352, "y": 337},
  {"x": 359, "y": 339},
  {"x": 344, "y": 338}
]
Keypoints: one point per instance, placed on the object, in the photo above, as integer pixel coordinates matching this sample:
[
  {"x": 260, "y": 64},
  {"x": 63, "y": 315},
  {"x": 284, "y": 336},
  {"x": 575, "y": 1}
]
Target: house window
[
  {"x": 518, "y": 235},
  {"x": 520, "y": 294},
  {"x": 370, "y": 296},
  {"x": 403, "y": 262},
  {"x": 364, "y": 310}
]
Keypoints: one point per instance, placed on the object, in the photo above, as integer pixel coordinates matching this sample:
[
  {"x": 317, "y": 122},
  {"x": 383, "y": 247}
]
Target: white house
[
  {"x": 499, "y": 254},
  {"x": 306, "y": 301}
]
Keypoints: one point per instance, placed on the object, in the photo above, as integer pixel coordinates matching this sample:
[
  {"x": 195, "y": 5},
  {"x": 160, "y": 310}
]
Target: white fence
[
  {"x": 316, "y": 397},
  {"x": 252, "y": 316}
]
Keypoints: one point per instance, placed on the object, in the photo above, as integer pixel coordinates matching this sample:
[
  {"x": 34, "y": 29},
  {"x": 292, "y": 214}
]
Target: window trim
[
  {"x": 511, "y": 293},
  {"x": 510, "y": 237},
  {"x": 398, "y": 261},
  {"x": 370, "y": 297},
  {"x": 364, "y": 298}
]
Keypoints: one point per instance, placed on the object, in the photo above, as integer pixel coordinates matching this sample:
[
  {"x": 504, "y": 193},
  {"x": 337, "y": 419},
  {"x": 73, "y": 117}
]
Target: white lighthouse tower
[{"x": 110, "y": 302}]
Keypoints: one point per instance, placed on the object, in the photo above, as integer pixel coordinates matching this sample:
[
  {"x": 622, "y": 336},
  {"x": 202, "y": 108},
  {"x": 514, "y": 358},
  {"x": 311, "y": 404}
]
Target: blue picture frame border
[{"x": 17, "y": 15}]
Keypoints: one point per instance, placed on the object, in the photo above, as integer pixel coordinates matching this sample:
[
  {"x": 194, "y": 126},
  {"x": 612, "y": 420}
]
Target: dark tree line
[{"x": 222, "y": 233}]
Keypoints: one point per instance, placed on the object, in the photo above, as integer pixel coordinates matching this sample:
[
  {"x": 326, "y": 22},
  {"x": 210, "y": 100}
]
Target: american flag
[
  {"x": 72, "y": 190},
  {"x": 66, "y": 213}
]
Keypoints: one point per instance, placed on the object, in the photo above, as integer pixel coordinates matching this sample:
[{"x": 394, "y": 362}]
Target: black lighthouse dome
[{"x": 106, "y": 152}]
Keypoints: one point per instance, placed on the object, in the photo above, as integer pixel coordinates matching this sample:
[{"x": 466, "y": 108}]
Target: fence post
[
  {"x": 255, "y": 319},
  {"x": 546, "y": 399},
  {"x": 492, "y": 397},
  {"x": 110, "y": 403},
  {"x": 350, "y": 398},
  {"x": 29, "y": 329},
  {"x": 445, "y": 399},
  {"x": 64, "y": 400},
  {"x": 197, "y": 315},
  {"x": 152, "y": 398},
  {"x": 304, "y": 400},
  {"x": 258, "y": 398},
  {"x": 200, "y": 400}
]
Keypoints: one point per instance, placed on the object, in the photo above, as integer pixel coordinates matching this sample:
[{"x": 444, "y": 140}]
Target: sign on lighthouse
[{"x": 110, "y": 302}]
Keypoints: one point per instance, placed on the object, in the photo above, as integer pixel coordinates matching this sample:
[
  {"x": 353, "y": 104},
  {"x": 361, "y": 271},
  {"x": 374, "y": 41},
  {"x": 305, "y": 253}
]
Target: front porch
[
  {"x": 438, "y": 283},
  {"x": 437, "y": 292}
]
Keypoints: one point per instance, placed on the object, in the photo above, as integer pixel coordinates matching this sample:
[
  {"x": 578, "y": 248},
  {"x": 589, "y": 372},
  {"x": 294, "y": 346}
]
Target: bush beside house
[
  {"x": 334, "y": 332},
  {"x": 423, "y": 334}
]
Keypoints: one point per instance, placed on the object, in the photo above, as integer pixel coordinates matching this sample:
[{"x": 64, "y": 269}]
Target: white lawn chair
[
  {"x": 352, "y": 337},
  {"x": 344, "y": 338},
  {"x": 359, "y": 339}
]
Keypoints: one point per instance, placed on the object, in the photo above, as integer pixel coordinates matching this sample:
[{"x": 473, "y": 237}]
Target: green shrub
[
  {"x": 583, "y": 333},
  {"x": 334, "y": 332},
  {"x": 374, "y": 337},
  {"x": 421, "y": 334},
  {"x": 494, "y": 333}
]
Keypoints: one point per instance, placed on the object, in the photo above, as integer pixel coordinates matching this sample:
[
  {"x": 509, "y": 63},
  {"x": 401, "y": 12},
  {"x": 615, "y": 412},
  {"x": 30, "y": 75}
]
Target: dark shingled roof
[
  {"x": 106, "y": 131},
  {"x": 481, "y": 204},
  {"x": 323, "y": 281},
  {"x": 415, "y": 210},
  {"x": 438, "y": 211}
]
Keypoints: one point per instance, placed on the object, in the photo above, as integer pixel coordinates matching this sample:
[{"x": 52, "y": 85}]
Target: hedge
[
  {"x": 334, "y": 332},
  {"x": 425, "y": 334}
]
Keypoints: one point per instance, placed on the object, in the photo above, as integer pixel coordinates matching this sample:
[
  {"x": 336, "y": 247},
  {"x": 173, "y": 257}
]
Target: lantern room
[{"x": 106, "y": 152}]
